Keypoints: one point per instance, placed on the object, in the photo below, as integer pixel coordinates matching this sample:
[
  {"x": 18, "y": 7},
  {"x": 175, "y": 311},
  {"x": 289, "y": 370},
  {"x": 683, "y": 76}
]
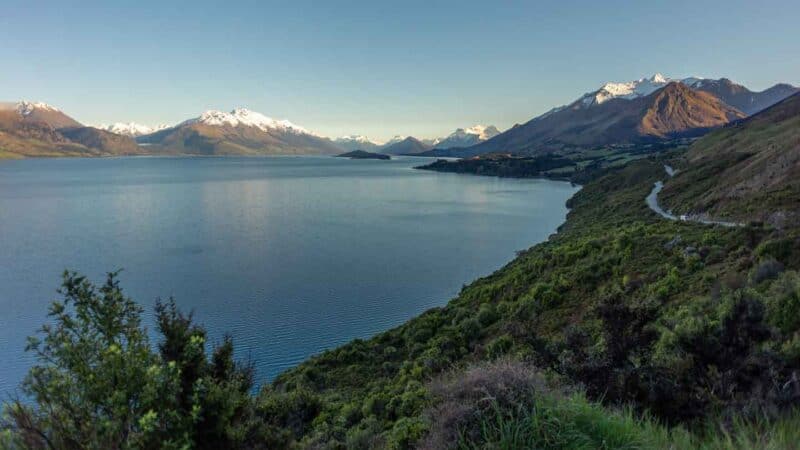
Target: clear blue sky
[{"x": 377, "y": 68}]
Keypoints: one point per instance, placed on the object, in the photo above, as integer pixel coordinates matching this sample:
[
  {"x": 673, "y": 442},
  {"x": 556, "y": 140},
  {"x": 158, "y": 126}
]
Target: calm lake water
[{"x": 289, "y": 255}]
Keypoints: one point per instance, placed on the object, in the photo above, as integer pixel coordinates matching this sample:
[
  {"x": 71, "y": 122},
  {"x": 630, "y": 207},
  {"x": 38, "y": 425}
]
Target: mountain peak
[
  {"x": 247, "y": 118},
  {"x": 27, "y": 108},
  {"x": 359, "y": 138},
  {"x": 483, "y": 132},
  {"x": 630, "y": 89},
  {"x": 131, "y": 129}
]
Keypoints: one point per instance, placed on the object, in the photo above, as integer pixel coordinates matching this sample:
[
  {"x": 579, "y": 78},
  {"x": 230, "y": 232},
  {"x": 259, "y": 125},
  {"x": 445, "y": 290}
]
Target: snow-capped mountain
[
  {"x": 357, "y": 142},
  {"x": 239, "y": 132},
  {"x": 465, "y": 137},
  {"x": 40, "y": 112},
  {"x": 247, "y": 118},
  {"x": 27, "y": 108},
  {"x": 131, "y": 129},
  {"x": 726, "y": 90},
  {"x": 631, "y": 89},
  {"x": 394, "y": 140}
]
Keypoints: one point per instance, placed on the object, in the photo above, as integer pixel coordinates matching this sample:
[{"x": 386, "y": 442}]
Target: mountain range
[
  {"x": 654, "y": 109},
  {"x": 646, "y": 110},
  {"x": 357, "y": 142},
  {"x": 461, "y": 137},
  {"x": 407, "y": 146}
]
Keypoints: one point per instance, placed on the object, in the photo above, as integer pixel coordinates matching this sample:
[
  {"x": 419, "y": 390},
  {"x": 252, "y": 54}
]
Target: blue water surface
[{"x": 288, "y": 255}]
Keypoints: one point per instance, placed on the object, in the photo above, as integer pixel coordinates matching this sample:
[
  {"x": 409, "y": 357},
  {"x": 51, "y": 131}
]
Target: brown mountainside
[{"x": 30, "y": 131}]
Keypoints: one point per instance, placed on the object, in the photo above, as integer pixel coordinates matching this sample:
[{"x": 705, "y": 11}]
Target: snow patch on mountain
[
  {"x": 26, "y": 108},
  {"x": 483, "y": 132},
  {"x": 356, "y": 138},
  {"x": 245, "y": 117},
  {"x": 465, "y": 137},
  {"x": 131, "y": 129},
  {"x": 631, "y": 89},
  {"x": 394, "y": 140}
]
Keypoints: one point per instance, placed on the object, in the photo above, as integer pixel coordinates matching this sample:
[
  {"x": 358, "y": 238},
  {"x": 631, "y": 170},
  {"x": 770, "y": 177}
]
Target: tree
[{"x": 99, "y": 384}]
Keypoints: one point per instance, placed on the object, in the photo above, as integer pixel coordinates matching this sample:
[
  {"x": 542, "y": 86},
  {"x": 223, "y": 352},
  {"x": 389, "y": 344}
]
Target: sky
[{"x": 375, "y": 68}]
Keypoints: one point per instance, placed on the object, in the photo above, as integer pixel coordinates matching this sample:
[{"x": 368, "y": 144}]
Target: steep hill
[
  {"x": 749, "y": 170},
  {"x": 240, "y": 132},
  {"x": 670, "y": 112}
]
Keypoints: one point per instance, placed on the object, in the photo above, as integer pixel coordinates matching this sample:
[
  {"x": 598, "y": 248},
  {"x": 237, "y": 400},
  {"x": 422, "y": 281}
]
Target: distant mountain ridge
[
  {"x": 407, "y": 146},
  {"x": 357, "y": 142},
  {"x": 744, "y": 99},
  {"x": 465, "y": 137},
  {"x": 238, "y": 132},
  {"x": 614, "y": 114}
]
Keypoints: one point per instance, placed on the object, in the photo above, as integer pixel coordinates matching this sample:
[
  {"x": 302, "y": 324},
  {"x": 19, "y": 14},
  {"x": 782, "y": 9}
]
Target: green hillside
[{"x": 622, "y": 331}]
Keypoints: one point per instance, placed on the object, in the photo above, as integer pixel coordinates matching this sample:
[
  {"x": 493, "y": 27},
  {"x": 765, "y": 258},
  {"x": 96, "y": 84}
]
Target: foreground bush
[
  {"x": 98, "y": 383},
  {"x": 509, "y": 405}
]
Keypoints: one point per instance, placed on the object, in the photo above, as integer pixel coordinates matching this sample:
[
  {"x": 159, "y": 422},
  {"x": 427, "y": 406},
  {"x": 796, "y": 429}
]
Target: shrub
[
  {"x": 462, "y": 399},
  {"x": 766, "y": 270},
  {"x": 499, "y": 346},
  {"x": 783, "y": 303},
  {"x": 99, "y": 384},
  {"x": 487, "y": 315}
]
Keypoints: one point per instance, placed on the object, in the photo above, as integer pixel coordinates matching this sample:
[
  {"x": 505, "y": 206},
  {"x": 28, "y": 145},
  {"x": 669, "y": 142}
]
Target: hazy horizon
[{"x": 420, "y": 69}]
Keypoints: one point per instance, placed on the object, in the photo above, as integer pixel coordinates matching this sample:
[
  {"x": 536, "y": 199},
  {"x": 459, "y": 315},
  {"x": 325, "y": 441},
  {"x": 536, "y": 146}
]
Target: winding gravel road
[{"x": 652, "y": 202}]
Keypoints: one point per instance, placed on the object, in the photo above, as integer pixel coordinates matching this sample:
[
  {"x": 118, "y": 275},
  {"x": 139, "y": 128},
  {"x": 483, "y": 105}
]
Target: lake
[{"x": 288, "y": 255}]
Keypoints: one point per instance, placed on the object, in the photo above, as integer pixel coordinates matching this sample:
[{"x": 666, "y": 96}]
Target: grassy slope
[{"x": 607, "y": 303}]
